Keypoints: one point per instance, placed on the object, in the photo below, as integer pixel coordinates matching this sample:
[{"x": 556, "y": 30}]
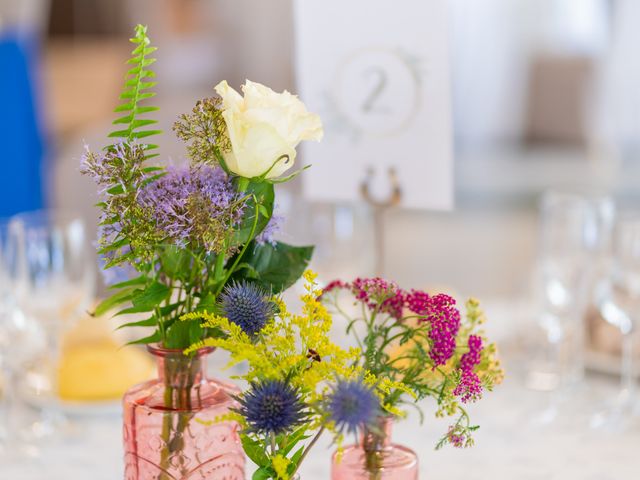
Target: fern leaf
[{"x": 137, "y": 87}]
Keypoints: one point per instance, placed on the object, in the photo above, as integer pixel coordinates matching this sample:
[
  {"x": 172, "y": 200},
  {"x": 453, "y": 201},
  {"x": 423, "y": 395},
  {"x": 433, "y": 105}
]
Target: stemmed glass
[
  {"x": 617, "y": 297},
  {"x": 54, "y": 286},
  {"x": 20, "y": 339},
  {"x": 574, "y": 234}
]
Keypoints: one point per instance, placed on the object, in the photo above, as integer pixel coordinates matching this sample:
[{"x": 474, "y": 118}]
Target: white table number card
[{"x": 377, "y": 71}]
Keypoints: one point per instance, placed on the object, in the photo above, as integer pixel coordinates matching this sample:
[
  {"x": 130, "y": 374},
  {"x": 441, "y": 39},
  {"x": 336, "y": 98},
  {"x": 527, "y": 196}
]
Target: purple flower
[
  {"x": 272, "y": 407},
  {"x": 440, "y": 312},
  {"x": 246, "y": 305},
  {"x": 109, "y": 168},
  {"x": 470, "y": 386},
  {"x": 267, "y": 235},
  {"x": 353, "y": 406},
  {"x": 195, "y": 205}
]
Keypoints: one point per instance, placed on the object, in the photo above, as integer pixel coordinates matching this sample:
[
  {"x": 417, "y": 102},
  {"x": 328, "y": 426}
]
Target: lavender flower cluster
[{"x": 193, "y": 205}]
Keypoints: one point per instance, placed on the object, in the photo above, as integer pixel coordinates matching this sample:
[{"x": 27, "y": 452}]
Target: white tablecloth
[{"x": 510, "y": 445}]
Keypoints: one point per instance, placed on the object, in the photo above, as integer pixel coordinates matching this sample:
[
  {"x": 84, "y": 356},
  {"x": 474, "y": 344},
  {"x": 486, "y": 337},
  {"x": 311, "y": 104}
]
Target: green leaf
[
  {"x": 119, "y": 134},
  {"x": 150, "y": 297},
  {"x": 125, "y": 107},
  {"x": 149, "y": 322},
  {"x": 145, "y": 133},
  {"x": 264, "y": 194},
  {"x": 113, "y": 246},
  {"x": 125, "y": 119},
  {"x": 141, "y": 280},
  {"x": 277, "y": 267},
  {"x": 175, "y": 262},
  {"x": 146, "y": 109},
  {"x": 153, "y": 338},
  {"x": 255, "y": 451},
  {"x": 290, "y": 441},
  {"x": 152, "y": 169},
  {"x": 117, "y": 298},
  {"x": 136, "y": 89},
  {"x": 295, "y": 460},
  {"x": 181, "y": 334},
  {"x": 207, "y": 304},
  {"x": 142, "y": 123},
  {"x": 116, "y": 190},
  {"x": 263, "y": 473}
]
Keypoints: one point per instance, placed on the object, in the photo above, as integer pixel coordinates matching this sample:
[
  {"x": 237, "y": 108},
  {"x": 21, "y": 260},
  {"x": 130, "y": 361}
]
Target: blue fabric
[{"x": 21, "y": 143}]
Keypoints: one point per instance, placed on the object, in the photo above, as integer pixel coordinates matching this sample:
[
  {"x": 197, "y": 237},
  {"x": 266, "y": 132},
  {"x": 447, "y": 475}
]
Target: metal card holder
[{"x": 380, "y": 207}]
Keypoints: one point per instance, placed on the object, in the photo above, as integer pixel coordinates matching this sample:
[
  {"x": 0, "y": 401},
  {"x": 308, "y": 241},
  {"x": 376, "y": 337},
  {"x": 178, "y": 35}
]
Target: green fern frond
[{"x": 137, "y": 87}]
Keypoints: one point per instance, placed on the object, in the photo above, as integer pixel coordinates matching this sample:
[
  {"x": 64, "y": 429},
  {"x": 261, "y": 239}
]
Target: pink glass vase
[
  {"x": 376, "y": 457},
  {"x": 171, "y": 430}
]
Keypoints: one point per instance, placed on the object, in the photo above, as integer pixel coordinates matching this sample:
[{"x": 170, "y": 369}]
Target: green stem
[
  {"x": 306, "y": 450},
  {"x": 219, "y": 266},
  {"x": 242, "y": 252},
  {"x": 242, "y": 183},
  {"x": 272, "y": 442}
]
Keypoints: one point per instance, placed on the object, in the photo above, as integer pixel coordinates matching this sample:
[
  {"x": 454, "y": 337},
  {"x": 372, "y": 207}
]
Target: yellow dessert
[{"x": 101, "y": 370}]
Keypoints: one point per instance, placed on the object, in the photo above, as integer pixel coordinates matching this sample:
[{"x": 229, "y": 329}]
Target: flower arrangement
[
  {"x": 195, "y": 238},
  {"x": 300, "y": 383},
  {"x": 186, "y": 232},
  {"x": 196, "y": 251},
  {"x": 422, "y": 345}
]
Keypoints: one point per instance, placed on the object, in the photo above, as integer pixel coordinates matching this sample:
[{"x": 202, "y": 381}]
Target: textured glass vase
[
  {"x": 170, "y": 427},
  {"x": 375, "y": 458}
]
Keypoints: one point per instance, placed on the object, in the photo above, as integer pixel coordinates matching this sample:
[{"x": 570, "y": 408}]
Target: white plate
[{"x": 71, "y": 408}]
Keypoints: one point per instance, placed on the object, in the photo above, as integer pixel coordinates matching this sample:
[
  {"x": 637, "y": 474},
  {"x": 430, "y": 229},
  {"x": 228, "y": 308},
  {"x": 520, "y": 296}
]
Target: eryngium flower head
[
  {"x": 353, "y": 406},
  {"x": 246, "y": 305},
  {"x": 272, "y": 406}
]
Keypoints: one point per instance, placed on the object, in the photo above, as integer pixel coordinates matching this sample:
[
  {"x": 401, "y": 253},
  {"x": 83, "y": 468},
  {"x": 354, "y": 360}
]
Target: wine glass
[
  {"x": 54, "y": 287},
  {"x": 575, "y": 231},
  {"x": 20, "y": 339},
  {"x": 617, "y": 297}
]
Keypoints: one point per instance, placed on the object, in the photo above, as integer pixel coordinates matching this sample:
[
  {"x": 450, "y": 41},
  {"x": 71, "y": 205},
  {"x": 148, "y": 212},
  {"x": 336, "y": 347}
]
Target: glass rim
[
  {"x": 160, "y": 351},
  {"x": 35, "y": 216}
]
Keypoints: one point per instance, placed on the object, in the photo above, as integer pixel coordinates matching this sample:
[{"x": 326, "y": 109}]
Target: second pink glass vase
[
  {"x": 376, "y": 457},
  {"x": 171, "y": 427}
]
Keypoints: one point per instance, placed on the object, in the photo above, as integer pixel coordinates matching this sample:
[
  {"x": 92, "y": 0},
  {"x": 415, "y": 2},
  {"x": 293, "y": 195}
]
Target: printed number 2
[{"x": 371, "y": 102}]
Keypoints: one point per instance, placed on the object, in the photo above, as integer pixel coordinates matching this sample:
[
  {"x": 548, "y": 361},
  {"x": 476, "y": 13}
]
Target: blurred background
[
  {"x": 546, "y": 121},
  {"x": 544, "y": 96}
]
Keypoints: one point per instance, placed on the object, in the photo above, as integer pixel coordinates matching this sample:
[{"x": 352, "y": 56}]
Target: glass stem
[{"x": 626, "y": 373}]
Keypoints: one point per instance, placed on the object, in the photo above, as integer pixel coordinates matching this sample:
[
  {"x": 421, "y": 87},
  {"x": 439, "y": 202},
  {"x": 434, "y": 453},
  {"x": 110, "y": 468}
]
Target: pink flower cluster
[
  {"x": 438, "y": 311},
  {"x": 470, "y": 386},
  {"x": 444, "y": 319},
  {"x": 374, "y": 292},
  {"x": 457, "y": 438}
]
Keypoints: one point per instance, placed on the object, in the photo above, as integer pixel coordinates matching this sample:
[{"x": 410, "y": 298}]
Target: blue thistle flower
[
  {"x": 353, "y": 405},
  {"x": 246, "y": 305},
  {"x": 272, "y": 406}
]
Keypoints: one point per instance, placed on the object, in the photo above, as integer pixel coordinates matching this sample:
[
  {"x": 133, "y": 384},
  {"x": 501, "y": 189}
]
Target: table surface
[{"x": 511, "y": 444}]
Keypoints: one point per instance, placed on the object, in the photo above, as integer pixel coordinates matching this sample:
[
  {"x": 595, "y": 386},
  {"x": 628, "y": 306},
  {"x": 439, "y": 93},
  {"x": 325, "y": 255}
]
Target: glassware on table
[
  {"x": 617, "y": 297},
  {"x": 54, "y": 287},
  {"x": 170, "y": 426},
  {"x": 575, "y": 233},
  {"x": 376, "y": 457},
  {"x": 20, "y": 340}
]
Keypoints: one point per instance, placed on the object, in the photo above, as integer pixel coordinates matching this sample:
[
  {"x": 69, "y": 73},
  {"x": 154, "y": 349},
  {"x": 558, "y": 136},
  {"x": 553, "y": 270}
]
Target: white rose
[{"x": 264, "y": 128}]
